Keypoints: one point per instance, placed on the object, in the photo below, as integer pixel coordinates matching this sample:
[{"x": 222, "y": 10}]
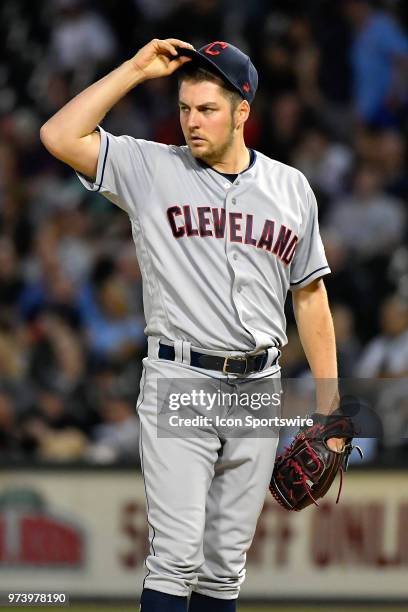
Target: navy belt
[{"x": 227, "y": 365}]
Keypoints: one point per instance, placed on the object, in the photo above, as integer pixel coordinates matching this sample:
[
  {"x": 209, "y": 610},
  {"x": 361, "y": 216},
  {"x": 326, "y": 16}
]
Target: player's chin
[{"x": 198, "y": 148}]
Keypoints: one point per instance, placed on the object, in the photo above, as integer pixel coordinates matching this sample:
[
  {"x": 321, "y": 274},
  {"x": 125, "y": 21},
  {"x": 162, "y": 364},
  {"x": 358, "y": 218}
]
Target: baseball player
[{"x": 221, "y": 234}]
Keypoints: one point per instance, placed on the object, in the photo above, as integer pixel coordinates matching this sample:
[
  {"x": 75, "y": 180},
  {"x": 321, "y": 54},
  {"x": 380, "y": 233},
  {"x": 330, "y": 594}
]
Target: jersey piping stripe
[
  {"x": 104, "y": 164},
  {"x": 309, "y": 275}
]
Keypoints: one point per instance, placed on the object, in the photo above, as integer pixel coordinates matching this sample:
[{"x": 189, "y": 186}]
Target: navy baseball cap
[{"x": 231, "y": 64}]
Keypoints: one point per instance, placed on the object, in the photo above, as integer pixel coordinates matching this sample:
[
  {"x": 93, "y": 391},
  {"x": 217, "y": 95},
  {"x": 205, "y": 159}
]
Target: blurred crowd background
[{"x": 333, "y": 101}]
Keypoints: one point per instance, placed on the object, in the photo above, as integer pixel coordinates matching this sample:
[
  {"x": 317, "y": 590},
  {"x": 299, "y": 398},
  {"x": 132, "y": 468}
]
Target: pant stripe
[{"x": 144, "y": 480}]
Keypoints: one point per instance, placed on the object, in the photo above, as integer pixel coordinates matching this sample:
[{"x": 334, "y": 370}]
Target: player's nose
[{"x": 193, "y": 119}]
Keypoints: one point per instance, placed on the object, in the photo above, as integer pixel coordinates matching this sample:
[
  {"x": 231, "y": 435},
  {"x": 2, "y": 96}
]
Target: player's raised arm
[{"x": 70, "y": 134}]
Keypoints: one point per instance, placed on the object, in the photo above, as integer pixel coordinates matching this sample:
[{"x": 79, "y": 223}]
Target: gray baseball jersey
[{"x": 217, "y": 258}]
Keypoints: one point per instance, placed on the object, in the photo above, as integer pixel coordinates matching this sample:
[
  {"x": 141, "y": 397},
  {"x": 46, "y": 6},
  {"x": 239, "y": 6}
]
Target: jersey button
[
  {"x": 235, "y": 256},
  {"x": 234, "y": 201},
  {"x": 239, "y": 289}
]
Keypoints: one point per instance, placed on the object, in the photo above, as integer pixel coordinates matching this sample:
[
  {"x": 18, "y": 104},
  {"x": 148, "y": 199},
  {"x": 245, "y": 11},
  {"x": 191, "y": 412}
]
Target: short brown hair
[{"x": 197, "y": 74}]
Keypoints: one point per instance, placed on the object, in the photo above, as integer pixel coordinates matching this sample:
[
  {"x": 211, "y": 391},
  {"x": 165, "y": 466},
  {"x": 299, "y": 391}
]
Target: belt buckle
[{"x": 225, "y": 366}]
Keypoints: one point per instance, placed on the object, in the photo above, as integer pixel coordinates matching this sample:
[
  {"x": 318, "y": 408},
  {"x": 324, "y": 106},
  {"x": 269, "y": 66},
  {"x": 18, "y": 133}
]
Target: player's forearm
[
  {"x": 316, "y": 332},
  {"x": 79, "y": 117}
]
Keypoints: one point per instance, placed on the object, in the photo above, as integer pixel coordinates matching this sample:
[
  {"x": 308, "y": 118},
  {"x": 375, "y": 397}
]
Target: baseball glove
[{"x": 305, "y": 471}]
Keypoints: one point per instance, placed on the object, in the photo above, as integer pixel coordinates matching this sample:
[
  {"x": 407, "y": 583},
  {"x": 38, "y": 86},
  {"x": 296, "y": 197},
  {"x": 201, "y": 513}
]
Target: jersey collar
[{"x": 202, "y": 164}]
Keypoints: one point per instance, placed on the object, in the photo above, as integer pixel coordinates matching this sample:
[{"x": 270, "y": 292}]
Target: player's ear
[{"x": 241, "y": 113}]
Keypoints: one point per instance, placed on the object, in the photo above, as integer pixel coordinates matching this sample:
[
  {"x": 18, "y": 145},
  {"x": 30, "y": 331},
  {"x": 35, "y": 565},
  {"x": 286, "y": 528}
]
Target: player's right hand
[{"x": 160, "y": 58}]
